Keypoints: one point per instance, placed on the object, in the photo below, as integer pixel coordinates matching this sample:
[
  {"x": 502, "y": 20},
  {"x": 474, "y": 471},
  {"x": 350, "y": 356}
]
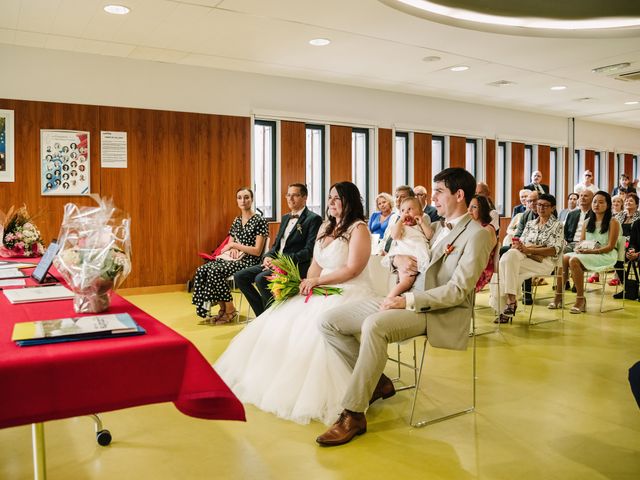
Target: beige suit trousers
[{"x": 341, "y": 326}]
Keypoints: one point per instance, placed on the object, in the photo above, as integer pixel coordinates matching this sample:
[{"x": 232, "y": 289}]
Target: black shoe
[
  {"x": 567, "y": 285},
  {"x": 573, "y": 289},
  {"x": 619, "y": 295},
  {"x": 527, "y": 301}
]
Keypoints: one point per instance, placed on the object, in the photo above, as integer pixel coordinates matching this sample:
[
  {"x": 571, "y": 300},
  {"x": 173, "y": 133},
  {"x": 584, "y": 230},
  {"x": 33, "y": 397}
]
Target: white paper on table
[
  {"x": 10, "y": 272},
  {"x": 4, "y": 266},
  {"x": 14, "y": 282}
]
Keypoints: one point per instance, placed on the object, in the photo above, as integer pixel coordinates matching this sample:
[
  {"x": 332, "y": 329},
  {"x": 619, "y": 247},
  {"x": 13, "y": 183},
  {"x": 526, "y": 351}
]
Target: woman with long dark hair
[
  {"x": 595, "y": 251},
  {"x": 480, "y": 211},
  {"x": 280, "y": 362}
]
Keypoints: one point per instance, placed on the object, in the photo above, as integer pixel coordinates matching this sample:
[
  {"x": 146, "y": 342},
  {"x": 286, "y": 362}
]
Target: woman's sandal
[
  {"x": 510, "y": 309},
  {"x": 556, "y": 304},
  {"x": 581, "y": 309},
  {"x": 503, "y": 319},
  {"x": 226, "y": 317},
  {"x": 211, "y": 320}
]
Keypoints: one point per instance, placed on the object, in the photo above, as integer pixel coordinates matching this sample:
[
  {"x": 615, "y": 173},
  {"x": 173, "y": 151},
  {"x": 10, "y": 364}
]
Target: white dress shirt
[{"x": 289, "y": 229}]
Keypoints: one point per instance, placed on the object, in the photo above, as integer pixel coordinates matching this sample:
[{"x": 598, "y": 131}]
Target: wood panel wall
[
  {"x": 610, "y": 165},
  {"x": 589, "y": 164},
  {"x": 293, "y": 154},
  {"x": 457, "y": 151},
  {"x": 628, "y": 165},
  {"x": 179, "y": 187},
  {"x": 544, "y": 155},
  {"x": 340, "y": 160},
  {"x": 490, "y": 164},
  {"x": 422, "y": 159},
  {"x": 517, "y": 172},
  {"x": 385, "y": 160}
]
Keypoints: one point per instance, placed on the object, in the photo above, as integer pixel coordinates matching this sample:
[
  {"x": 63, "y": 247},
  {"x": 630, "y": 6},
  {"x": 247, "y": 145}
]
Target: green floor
[{"x": 553, "y": 402}]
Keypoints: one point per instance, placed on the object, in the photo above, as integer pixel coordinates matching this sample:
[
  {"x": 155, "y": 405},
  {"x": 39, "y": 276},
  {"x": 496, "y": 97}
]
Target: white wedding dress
[{"x": 281, "y": 363}]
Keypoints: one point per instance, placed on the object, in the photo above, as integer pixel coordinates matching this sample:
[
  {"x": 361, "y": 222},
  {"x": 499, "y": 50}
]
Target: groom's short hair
[{"x": 456, "y": 178}]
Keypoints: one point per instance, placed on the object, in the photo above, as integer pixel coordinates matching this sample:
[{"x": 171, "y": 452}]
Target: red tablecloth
[{"x": 49, "y": 382}]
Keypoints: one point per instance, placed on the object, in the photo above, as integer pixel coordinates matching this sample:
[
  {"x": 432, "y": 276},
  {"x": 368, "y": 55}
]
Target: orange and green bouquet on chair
[
  {"x": 285, "y": 281},
  {"x": 19, "y": 237}
]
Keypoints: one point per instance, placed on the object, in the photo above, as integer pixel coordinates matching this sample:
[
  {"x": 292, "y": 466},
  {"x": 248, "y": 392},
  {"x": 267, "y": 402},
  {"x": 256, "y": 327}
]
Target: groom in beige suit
[{"x": 442, "y": 308}]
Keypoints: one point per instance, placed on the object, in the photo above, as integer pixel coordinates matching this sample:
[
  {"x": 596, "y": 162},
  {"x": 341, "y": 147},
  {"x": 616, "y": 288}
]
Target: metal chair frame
[{"x": 417, "y": 374}]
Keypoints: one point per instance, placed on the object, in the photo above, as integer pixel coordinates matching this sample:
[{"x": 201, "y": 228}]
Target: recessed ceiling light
[
  {"x": 116, "y": 9},
  {"x": 320, "y": 42},
  {"x": 501, "y": 83},
  {"x": 459, "y": 68},
  {"x": 632, "y": 102},
  {"x": 431, "y": 58},
  {"x": 559, "y": 87},
  {"x": 611, "y": 68},
  {"x": 584, "y": 99}
]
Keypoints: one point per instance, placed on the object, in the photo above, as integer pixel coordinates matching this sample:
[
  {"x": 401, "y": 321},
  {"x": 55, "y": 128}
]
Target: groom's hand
[
  {"x": 393, "y": 303},
  {"x": 406, "y": 264}
]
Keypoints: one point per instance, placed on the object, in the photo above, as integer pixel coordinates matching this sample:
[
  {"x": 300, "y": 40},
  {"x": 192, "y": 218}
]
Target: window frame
[
  {"x": 274, "y": 190},
  {"x": 501, "y": 165},
  {"x": 366, "y": 133},
  {"x": 405, "y": 180},
  {"x": 323, "y": 165},
  {"x": 474, "y": 143}
]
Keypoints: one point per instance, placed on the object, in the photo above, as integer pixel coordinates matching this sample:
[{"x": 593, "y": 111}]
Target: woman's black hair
[
  {"x": 352, "y": 210},
  {"x": 606, "y": 220},
  {"x": 484, "y": 209}
]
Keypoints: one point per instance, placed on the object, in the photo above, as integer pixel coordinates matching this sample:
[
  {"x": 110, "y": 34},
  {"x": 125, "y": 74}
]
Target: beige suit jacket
[{"x": 450, "y": 282}]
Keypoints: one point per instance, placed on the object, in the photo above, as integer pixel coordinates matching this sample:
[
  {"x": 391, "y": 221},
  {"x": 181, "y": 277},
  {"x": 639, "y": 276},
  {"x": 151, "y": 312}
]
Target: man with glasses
[
  {"x": 586, "y": 184},
  {"x": 296, "y": 238},
  {"x": 423, "y": 197}
]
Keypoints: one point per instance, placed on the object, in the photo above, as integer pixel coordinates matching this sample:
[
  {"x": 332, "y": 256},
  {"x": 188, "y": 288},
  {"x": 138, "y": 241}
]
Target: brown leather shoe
[
  {"x": 384, "y": 389},
  {"x": 348, "y": 426}
]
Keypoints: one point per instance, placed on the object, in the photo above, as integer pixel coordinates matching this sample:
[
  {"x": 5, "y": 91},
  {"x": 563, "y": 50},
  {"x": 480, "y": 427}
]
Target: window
[
  {"x": 528, "y": 164},
  {"x": 360, "y": 162},
  {"x": 401, "y": 166},
  {"x": 501, "y": 195},
  {"x": 554, "y": 187},
  {"x": 578, "y": 166},
  {"x": 471, "y": 156},
  {"x": 264, "y": 165},
  {"x": 635, "y": 167},
  {"x": 437, "y": 155},
  {"x": 598, "y": 172},
  {"x": 315, "y": 168}
]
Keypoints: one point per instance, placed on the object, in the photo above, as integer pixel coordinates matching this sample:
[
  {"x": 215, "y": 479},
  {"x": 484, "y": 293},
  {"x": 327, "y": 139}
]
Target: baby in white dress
[{"x": 411, "y": 235}]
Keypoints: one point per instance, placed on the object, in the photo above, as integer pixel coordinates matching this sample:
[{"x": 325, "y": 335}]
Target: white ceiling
[{"x": 372, "y": 46}]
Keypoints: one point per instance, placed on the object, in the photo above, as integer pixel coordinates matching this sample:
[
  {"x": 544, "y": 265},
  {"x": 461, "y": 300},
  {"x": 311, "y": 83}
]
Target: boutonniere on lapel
[
  {"x": 299, "y": 228},
  {"x": 448, "y": 249}
]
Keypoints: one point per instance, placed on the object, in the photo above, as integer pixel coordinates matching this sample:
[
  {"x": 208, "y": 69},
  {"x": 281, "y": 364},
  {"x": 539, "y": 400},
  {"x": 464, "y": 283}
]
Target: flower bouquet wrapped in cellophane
[
  {"x": 19, "y": 237},
  {"x": 95, "y": 253},
  {"x": 285, "y": 281}
]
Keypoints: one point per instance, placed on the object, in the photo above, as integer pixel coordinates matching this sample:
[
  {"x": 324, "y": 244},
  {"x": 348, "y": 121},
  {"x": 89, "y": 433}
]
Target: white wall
[{"x": 60, "y": 76}]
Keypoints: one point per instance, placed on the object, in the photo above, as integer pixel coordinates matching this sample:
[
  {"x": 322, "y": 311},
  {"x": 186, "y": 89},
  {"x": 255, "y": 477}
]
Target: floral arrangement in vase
[
  {"x": 95, "y": 253},
  {"x": 19, "y": 236}
]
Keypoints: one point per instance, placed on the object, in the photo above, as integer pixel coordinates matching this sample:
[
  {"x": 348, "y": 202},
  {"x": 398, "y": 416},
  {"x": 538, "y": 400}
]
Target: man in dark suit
[
  {"x": 536, "y": 178},
  {"x": 523, "y": 194},
  {"x": 296, "y": 238}
]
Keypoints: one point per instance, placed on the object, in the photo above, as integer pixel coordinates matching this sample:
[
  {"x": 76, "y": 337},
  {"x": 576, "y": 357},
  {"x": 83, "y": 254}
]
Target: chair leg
[{"x": 604, "y": 284}]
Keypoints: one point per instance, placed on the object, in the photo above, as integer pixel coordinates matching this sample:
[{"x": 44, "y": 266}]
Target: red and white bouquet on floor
[
  {"x": 95, "y": 253},
  {"x": 19, "y": 237},
  {"x": 285, "y": 281}
]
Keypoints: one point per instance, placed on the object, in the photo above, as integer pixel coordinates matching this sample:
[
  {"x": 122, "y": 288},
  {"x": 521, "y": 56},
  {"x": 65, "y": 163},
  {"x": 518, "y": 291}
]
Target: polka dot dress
[{"x": 210, "y": 283}]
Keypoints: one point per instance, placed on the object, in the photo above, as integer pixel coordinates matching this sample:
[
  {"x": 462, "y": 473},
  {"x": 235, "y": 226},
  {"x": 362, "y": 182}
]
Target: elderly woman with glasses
[{"x": 534, "y": 253}]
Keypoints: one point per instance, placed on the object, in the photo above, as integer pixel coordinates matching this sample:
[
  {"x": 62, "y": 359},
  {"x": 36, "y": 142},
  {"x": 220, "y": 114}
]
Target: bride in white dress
[{"x": 280, "y": 361}]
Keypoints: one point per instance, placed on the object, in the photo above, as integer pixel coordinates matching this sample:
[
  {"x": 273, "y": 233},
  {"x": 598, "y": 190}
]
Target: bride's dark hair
[{"x": 352, "y": 210}]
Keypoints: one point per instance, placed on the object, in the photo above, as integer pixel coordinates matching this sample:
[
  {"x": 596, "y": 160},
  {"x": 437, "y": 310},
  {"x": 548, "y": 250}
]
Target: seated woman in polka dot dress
[{"x": 248, "y": 233}]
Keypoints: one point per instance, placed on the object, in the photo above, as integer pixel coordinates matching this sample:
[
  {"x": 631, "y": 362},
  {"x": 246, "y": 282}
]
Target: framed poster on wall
[
  {"x": 65, "y": 162},
  {"x": 7, "y": 162}
]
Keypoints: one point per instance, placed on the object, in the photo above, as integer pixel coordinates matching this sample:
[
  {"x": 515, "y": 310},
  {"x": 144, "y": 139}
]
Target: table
[{"x": 49, "y": 382}]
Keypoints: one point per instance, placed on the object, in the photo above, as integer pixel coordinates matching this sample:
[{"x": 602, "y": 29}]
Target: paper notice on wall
[{"x": 113, "y": 151}]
